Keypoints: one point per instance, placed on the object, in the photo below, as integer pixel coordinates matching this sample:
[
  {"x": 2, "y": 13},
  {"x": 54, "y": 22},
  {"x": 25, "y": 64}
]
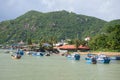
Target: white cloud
[
  {"x": 110, "y": 9},
  {"x": 104, "y": 9}
]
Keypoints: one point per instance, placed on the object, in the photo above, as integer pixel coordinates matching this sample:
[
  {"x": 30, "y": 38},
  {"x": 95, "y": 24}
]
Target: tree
[
  {"x": 51, "y": 41},
  {"x": 42, "y": 40},
  {"x": 113, "y": 40},
  {"x": 77, "y": 43},
  {"x": 109, "y": 41},
  {"x": 29, "y": 41}
]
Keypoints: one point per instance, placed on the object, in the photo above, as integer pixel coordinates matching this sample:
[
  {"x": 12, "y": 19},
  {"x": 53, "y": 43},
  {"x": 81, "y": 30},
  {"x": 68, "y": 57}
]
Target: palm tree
[
  {"x": 77, "y": 43},
  {"x": 51, "y": 41},
  {"x": 42, "y": 40},
  {"x": 29, "y": 41}
]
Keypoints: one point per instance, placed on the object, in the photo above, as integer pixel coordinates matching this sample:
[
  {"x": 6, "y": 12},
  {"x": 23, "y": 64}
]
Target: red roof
[
  {"x": 67, "y": 47},
  {"x": 71, "y": 47}
]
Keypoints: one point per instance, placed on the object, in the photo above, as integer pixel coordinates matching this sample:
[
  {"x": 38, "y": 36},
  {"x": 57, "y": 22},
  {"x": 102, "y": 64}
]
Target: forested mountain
[
  {"x": 111, "y": 24},
  {"x": 61, "y": 24},
  {"x": 109, "y": 40}
]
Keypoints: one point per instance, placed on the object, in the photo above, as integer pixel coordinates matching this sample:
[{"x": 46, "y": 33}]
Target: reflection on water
[{"x": 55, "y": 68}]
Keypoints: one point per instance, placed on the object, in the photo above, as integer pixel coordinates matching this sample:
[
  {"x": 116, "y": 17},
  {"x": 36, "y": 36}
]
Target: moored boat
[
  {"x": 77, "y": 56},
  {"x": 74, "y": 56},
  {"x": 38, "y": 54},
  {"x": 16, "y": 56},
  {"x": 101, "y": 58},
  {"x": 117, "y": 57}
]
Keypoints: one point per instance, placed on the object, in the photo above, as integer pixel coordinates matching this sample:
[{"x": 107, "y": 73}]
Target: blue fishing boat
[
  {"x": 117, "y": 57},
  {"x": 74, "y": 56},
  {"x": 38, "y": 54},
  {"x": 77, "y": 56},
  {"x": 101, "y": 58}
]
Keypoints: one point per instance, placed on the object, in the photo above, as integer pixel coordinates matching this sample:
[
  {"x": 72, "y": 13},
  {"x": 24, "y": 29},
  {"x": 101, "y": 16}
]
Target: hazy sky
[{"x": 103, "y": 9}]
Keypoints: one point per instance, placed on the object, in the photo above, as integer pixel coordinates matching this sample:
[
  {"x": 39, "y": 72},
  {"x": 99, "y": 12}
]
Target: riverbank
[{"x": 106, "y": 53}]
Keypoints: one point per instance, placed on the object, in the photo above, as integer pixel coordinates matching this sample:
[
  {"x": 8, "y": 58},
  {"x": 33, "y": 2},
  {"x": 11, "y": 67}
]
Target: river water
[{"x": 55, "y": 67}]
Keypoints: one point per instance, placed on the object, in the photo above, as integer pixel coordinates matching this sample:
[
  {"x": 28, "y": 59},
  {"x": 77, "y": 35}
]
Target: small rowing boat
[{"x": 16, "y": 56}]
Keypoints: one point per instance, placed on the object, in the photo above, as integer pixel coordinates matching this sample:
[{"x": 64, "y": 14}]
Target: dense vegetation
[
  {"x": 38, "y": 27},
  {"x": 109, "y": 40}
]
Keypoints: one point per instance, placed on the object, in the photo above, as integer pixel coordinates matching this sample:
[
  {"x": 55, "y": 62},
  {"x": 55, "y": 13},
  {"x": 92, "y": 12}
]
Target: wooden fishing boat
[{"x": 16, "y": 56}]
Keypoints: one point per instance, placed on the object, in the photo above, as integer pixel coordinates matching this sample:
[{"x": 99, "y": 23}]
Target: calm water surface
[{"x": 55, "y": 68}]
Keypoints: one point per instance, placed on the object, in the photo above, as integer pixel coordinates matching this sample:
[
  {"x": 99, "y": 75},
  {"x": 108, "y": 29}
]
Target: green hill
[
  {"x": 110, "y": 24},
  {"x": 61, "y": 24},
  {"x": 113, "y": 22},
  {"x": 109, "y": 40}
]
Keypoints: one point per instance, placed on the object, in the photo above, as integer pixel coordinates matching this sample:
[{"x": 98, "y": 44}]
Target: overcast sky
[{"x": 103, "y": 9}]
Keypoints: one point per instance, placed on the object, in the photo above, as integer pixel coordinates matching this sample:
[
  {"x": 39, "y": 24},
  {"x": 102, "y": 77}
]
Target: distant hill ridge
[{"x": 61, "y": 24}]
